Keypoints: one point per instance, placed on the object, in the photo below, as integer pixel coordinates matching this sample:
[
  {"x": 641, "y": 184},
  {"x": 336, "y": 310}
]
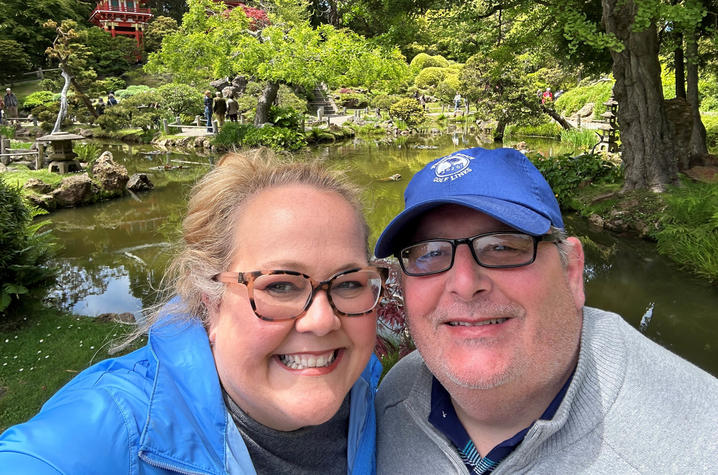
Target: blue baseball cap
[{"x": 501, "y": 183}]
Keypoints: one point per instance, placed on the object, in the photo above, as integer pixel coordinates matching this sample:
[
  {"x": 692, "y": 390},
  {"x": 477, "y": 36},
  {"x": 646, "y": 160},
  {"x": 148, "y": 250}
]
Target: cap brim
[{"x": 515, "y": 215}]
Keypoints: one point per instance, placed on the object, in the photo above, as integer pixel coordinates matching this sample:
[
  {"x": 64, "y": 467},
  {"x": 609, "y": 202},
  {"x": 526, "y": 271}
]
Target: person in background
[
  {"x": 547, "y": 96},
  {"x": 208, "y": 110},
  {"x": 232, "y": 109},
  {"x": 513, "y": 373},
  {"x": 2, "y": 107},
  {"x": 111, "y": 101},
  {"x": 219, "y": 108},
  {"x": 259, "y": 361},
  {"x": 100, "y": 107},
  {"x": 11, "y": 105},
  {"x": 457, "y": 102}
]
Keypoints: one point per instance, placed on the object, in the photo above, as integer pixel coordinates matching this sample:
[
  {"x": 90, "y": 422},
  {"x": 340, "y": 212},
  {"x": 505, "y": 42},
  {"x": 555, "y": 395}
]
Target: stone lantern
[
  {"x": 611, "y": 134},
  {"x": 62, "y": 158}
]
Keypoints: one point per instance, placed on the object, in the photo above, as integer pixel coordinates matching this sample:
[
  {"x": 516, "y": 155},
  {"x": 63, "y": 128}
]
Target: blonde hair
[{"x": 209, "y": 228}]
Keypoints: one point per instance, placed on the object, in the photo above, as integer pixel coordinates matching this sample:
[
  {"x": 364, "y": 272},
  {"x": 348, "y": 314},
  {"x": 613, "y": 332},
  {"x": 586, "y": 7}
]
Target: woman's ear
[{"x": 212, "y": 313}]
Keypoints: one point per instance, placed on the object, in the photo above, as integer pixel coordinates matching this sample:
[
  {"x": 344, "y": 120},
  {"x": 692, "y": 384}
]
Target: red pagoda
[{"x": 122, "y": 17}]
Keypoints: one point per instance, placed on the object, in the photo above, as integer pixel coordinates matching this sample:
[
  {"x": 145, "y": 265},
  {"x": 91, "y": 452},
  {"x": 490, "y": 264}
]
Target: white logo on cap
[{"x": 451, "y": 167}]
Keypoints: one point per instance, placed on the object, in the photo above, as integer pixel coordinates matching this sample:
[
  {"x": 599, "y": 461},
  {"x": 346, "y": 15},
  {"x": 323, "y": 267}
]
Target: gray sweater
[{"x": 632, "y": 407}]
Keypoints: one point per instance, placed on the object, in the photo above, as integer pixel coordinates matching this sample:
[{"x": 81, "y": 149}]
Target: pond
[{"x": 114, "y": 253}]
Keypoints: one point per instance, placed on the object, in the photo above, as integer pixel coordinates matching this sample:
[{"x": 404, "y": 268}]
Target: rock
[
  {"x": 44, "y": 201},
  {"x": 74, "y": 190},
  {"x": 3, "y": 168},
  {"x": 220, "y": 84},
  {"x": 703, "y": 174},
  {"x": 111, "y": 176},
  {"x": 89, "y": 133},
  {"x": 586, "y": 110},
  {"x": 596, "y": 220},
  {"x": 38, "y": 186},
  {"x": 125, "y": 317},
  {"x": 139, "y": 182}
]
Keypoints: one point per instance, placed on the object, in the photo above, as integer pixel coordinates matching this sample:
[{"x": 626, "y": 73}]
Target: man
[
  {"x": 513, "y": 374},
  {"x": 219, "y": 108},
  {"x": 11, "y": 104}
]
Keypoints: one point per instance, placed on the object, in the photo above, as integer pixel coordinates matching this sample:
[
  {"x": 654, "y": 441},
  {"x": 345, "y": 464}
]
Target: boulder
[
  {"x": 44, "y": 201},
  {"x": 220, "y": 84},
  {"x": 125, "y": 317},
  {"x": 38, "y": 186},
  {"x": 139, "y": 182},
  {"x": 89, "y": 133},
  {"x": 586, "y": 110},
  {"x": 111, "y": 176},
  {"x": 74, "y": 190}
]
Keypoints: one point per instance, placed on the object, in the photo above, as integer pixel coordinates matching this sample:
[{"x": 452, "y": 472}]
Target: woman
[{"x": 263, "y": 362}]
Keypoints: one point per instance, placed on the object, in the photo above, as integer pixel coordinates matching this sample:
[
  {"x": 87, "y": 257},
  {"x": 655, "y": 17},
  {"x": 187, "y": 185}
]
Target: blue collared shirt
[{"x": 443, "y": 417}]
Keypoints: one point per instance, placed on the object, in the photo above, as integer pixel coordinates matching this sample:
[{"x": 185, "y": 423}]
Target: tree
[
  {"x": 110, "y": 56},
  {"x": 289, "y": 51},
  {"x": 168, "y": 8},
  {"x": 157, "y": 29},
  {"x": 22, "y": 22},
  {"x": 14, "y": 60},
  {"x": 72, "y": 57}
]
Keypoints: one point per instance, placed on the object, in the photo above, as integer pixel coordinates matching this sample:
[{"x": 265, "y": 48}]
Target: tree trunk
[
  {"x": 647, "y": 146},
  {"x": 84, "y": 98},
  {"x": 698, "y": 149},
  {"x": 269, "y": 94},
  {"x": 63, "y": 100},
  {"x": 556, "y": 116},
  {"x": 679, "y": 66},
  {"x": 500, "y": 129}
]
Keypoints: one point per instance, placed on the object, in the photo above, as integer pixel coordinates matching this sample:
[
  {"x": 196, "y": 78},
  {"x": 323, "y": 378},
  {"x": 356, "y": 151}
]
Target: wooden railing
[{"x": 122, "y": 8}]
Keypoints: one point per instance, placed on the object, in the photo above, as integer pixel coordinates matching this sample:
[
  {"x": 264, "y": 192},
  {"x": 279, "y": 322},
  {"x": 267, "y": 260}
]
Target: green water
[{"x": 115, "y": 252}]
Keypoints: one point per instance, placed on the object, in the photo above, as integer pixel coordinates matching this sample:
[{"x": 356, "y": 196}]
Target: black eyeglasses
[
  {"x": 285, "y": 294},
  {"x": 496, "y": 250}
]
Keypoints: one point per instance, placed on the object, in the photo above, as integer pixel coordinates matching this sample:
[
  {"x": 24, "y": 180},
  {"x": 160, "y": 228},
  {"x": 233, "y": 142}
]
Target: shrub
[
  {"x": 446, "y": 90},
  {"x": 286, "y": 97},
  {"x": 180, "y": 99},
  {"x": 7, "y": 131},
  {"x": 408, "y": 110},
  {"x": 429, "y": 77},
  {"x": 39, "y": 98},
  {"x": 566, "y": 173},
  {"x": 689, "y": 234},
  {"x": 285, "y": 117},
  {"x": 278, "y": 138},
  {"x": 112, "y": 84},
  {"x": 383, "y": 101},
  {"x": 131, "y": 91},
  {"x": 423, "y": 60},
  {"x": 710, "y": 121},
  {"x": 24, "y": 273}
]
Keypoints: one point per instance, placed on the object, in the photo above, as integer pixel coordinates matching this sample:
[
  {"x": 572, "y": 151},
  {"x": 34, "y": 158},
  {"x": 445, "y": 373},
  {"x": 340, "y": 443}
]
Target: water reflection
[{"x": 115, "y": 252}]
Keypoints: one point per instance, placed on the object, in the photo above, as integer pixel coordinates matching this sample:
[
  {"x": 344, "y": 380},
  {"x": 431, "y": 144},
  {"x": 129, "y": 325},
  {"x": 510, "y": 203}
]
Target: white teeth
[
  {"x": 308, "y": 361},
  {"x": 495, "y": 321}
]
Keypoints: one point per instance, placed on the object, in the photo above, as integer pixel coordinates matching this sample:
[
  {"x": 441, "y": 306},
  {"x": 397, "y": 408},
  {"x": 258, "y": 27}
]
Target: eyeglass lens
[
  {"x": 492, "y": 250},
  {"x": 283, "y": 296}
]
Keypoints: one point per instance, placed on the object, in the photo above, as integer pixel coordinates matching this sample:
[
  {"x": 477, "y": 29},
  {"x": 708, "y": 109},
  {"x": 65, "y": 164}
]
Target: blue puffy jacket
[{"x": 158, "y": 410}]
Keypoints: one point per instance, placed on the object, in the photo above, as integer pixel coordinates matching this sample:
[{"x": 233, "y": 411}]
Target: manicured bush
[
  {"x": 408, "y": 110},
  {"x": 131, "y": 91},
  {"x": 384, "y": 101},
  {"x": 39, "y": 98},
  {"x": 423, "y": 60},
  {"x": 180, "y": 99},
  {"x": 429, "y": 77},
  {"x": 24, "y": 270},
  {"x": 279, "y": 138}
]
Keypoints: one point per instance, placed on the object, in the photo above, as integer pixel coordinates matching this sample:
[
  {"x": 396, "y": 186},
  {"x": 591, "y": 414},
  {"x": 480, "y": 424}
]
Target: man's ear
[{"x": 574, "y": 271}]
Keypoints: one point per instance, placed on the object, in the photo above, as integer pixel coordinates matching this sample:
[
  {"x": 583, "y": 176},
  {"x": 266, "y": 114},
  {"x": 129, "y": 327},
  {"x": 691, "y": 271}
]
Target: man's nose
[{"x": 466, "y": 277}]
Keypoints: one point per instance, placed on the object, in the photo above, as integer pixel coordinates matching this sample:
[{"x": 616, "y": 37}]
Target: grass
[
  {"x": 42, "y": 353},
  {"x": 572, "y": 100},
  {"x": 580, "y": 139},
  {"x": 22, "y": 174}
]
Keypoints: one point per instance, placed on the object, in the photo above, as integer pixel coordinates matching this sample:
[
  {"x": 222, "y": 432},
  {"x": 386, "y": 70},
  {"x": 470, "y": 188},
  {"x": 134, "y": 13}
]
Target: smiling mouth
[
  {"x": 304, "y": 361},
  {"x": 494, "y": 321}
]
